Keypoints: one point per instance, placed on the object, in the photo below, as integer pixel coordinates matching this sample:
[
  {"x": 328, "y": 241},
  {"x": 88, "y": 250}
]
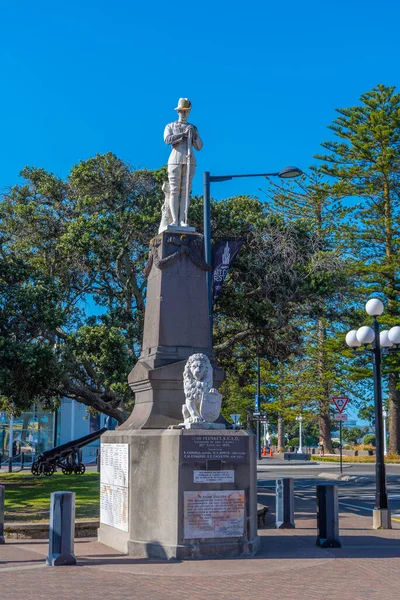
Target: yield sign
[{"x": 340, "y": 402}]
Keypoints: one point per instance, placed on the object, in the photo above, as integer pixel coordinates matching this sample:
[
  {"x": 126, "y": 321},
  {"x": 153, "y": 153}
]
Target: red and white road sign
[
  {"x": 340, "y": 402},
  {"x": 340, "y": 417}
]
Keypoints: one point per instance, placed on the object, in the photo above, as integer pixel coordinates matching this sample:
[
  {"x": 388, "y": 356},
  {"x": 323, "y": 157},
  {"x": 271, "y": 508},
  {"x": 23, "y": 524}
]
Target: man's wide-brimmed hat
[{"x": 184, "y": 104}]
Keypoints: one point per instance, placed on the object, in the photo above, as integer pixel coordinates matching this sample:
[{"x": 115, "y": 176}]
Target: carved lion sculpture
[
  {"x": 203, "y": 402},
  {"x": 166, "y": 217}
]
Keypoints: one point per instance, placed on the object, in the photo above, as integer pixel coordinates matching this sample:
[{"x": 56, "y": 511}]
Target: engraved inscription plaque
[
  {"x": 114, "y": 474},
  {"x": 214, "y": 514},
  {"x": 200, "y": 448}
]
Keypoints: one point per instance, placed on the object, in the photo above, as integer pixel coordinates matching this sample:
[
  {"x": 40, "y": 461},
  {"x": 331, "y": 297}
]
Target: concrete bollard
[
  {"x": 328, "y": 517},
  {"x": 62, "y": 529},
  {"x": 2, "y": 489},
  {"x": 284, "y": 518}
]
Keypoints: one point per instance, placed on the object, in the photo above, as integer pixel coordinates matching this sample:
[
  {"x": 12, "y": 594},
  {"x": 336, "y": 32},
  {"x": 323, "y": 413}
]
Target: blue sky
[
  {"x": 86, "y": 77},
  {"x": 78, "y": 78}
]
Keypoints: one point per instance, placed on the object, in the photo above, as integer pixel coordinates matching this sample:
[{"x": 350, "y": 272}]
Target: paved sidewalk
[{"x": 289, "y": 566}]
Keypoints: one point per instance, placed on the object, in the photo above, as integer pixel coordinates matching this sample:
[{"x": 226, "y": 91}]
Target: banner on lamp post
[{"x": 224, "y": 253}]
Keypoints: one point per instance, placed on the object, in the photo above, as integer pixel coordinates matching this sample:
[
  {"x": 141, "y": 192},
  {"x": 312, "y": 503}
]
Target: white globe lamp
[
  {"x": 365, "y": 335},
  {"x": 394, "y": 335},
  {"x": 351, "y": 339},
  {"x": 374, "y": 307},
  {"x": 385, "y": 342}
]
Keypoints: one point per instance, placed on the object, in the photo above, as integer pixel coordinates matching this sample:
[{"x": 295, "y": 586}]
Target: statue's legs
[
  {"x": 175, "y": 185},
  {"x": 183, "y": 191}
]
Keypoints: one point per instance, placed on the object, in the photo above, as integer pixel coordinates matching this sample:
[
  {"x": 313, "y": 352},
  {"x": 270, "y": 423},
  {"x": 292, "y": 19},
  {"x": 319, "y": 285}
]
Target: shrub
[
  {"x": 273, "y": 440},
  {"x": 393, "y": 456},
  {"x": 363, "y": 447},
  {"x": 335, "y": 445},
  {"x": 309, "y": 440},
  {"x": 294, "y": 442},
  {"x": 369, "y": 439}
]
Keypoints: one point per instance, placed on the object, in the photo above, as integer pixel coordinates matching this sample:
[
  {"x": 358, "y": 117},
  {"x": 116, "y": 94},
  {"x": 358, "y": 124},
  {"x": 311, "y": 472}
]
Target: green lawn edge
[
  {"x": 354, "y": 459},
  {"x": 27, "y": 498}
]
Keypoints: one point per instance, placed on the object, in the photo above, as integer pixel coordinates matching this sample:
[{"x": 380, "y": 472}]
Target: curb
[
  {"x": 40, "y": 531},
  {"x": 341, "y": 477}
]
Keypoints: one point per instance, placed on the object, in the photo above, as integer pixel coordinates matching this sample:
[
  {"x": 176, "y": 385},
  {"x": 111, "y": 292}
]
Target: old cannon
[{"x": 66, "y": 456}]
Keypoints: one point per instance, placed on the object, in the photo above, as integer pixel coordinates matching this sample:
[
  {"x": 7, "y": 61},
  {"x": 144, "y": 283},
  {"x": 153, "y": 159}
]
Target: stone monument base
[{"x": 189, "y": 493}]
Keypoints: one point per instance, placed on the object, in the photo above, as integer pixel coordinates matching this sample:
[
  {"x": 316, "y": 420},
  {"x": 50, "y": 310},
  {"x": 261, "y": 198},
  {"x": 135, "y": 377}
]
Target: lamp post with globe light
[
  {"x": 300, "y": 421},
  {"x": 385, "y": 416},
  {"x": 382, "y": 342}
]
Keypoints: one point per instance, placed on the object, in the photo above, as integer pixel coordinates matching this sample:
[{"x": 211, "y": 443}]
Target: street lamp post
[
  {"x": 382, "y": 342},
  {"x": 300, "y": 420},
  {"x": 286, "y": 173},
  {"x": 385, "y": 416}
]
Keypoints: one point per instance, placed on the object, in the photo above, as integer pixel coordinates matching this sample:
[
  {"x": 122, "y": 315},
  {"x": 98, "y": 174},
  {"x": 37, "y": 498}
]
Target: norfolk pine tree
[
  {"x": 365, "y": 162},
  {"x": 319, "y": 374}
]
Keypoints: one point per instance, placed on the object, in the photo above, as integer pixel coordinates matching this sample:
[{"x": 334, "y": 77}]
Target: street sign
[
  {"x": 261, "y": 419},
  {"x": 340, "y": 417},
  {"x": 235, "y": 419},
  {"x": 340, "y": 402}
]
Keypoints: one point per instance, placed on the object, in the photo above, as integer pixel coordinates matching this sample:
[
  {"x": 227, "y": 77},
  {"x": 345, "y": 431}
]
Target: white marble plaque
[
  {"x": 214, "y": 514},
  {"x": 114, "y": 464},
  {"x": 114, "y": 474},
  {"x": 226, "y": 476}
]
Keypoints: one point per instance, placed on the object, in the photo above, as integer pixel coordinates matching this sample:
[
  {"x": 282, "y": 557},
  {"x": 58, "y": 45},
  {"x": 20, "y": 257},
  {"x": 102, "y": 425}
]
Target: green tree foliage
[
  {"x": 274, "y": 286},
  {"x": 80, "y": 241},
  {"x": 367, "y": 413},
  {"x": 351, "y": 435},
  {"x": 319, "y": 372},
  {"x": 363, "y": 159},
  {"x": 369, "y": 438},
  {"x": 82, "y": 245}
]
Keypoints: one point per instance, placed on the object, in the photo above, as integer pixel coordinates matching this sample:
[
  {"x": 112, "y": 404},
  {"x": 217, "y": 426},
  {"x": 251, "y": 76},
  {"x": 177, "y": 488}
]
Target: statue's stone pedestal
[
  {"x": 189, "y": 493},
  {"x": 176, "y": 325}
]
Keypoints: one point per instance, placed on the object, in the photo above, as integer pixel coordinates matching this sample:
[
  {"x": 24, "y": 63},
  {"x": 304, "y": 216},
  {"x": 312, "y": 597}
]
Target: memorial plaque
[
  {"x": 114, "y": 474},
  {"x": 226, "y": 476},
  {"x": 114, "y": 506},
  {"x": 200, "y": 448},
  {"x": 214, "y": 514}
]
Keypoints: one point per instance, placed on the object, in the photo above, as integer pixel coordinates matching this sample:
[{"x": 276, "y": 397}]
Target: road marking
[{"x": 355, "y": 506}]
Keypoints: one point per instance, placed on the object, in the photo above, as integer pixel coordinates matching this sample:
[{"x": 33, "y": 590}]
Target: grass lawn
[{"x": 27, "y": 498}]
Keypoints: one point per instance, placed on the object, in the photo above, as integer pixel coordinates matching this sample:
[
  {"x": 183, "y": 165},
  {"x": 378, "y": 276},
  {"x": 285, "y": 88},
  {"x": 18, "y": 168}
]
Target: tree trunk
[
  {"x": 394, "y": 414},
  {"x": 281, "y": 434},
  {"x": 325, "y": 430},
  {"x": 324, "y": 404}
]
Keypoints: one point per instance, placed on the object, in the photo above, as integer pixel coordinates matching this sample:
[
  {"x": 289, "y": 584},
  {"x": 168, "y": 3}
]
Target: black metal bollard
[
  {"x": 10, "y": 465},
  {"x": 98, "y": 459},
  {"x": 2, "y": 489},
  {"x": 62, "y": 529},
  {"x": 328, "y": 517},
  {"x": 284, "y": 518}
]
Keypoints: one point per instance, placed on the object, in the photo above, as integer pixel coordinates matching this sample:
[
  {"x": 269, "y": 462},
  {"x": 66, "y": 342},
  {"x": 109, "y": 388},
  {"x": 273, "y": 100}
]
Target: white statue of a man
[{"x": 182, "y": 136}]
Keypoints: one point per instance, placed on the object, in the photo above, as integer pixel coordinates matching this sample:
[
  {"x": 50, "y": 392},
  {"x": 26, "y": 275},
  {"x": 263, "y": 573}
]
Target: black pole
[
  {"x": 55, "y": 423},
  {"x": 258, "y": 410},
  {"x": 207, "y": 246},
  {"x": 381, "y": 501},
  {"x": 340, "y": 442}
]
